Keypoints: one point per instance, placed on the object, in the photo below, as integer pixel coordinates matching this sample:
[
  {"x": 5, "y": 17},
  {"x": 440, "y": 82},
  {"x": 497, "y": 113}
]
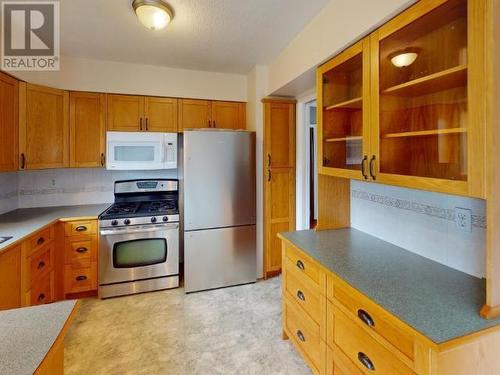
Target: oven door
[{"x": 138, "y": 253}]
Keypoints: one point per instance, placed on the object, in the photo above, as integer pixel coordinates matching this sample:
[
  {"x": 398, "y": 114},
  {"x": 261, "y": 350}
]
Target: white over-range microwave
[{"x": 141, "y": 151}]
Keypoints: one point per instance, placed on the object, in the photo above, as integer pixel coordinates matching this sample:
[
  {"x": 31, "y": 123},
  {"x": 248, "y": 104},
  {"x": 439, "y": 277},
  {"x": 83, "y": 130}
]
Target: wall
[
  {"x": 422, "y": 222},
  {"x": 257, "y": 88},
  {"x": 8, "y": 192},
  {"x": 335, "y": 27},
  {"x": 117, "y": 77}
]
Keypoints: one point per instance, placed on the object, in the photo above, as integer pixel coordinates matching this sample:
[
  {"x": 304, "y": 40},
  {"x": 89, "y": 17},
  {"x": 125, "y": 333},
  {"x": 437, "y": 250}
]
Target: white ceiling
[{"x": 213, "y": 35}]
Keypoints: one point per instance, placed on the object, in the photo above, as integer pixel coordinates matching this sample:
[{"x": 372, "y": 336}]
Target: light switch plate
[{"x": 463, "y": 219}]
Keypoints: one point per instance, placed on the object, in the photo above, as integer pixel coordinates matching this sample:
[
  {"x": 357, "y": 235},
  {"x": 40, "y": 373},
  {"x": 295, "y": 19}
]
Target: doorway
[{"x": 313, "y": 165}]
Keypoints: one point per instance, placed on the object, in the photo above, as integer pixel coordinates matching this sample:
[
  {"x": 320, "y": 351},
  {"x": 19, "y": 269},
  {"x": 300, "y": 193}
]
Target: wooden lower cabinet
[
  {"x": 10, "y": 278},
  {"x": 339, "y": 331}
]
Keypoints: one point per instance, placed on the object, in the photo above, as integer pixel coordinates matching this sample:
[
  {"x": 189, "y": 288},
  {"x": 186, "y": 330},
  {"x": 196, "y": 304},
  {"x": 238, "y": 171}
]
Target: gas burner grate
[
  {"x": 123, "y": 208},
  {"x": 162, "y": 206}
]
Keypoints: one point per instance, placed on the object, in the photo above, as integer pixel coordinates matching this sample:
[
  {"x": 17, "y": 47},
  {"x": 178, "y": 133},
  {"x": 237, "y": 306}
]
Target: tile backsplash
[
  {"x": 423, "y": 222},
  {"x": 59, "y": 187}
]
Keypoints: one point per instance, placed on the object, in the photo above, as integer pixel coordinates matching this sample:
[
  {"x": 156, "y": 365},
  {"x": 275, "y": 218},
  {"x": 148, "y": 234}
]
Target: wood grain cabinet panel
[
  {"x": 194, "y": 114},
  {"x": 125, "y": 112},
  {"x": 80, "y": 279},
  {"x": 43, "y": 127},
  {"x": 9, "y": 117},
  {"x": 87, "y": 116},
  {"x": 43, "y": 290},
  {"x": 228, "y": 115},
  {"x": 10, "y": 278},
  {"x": 160, "y": 114}
]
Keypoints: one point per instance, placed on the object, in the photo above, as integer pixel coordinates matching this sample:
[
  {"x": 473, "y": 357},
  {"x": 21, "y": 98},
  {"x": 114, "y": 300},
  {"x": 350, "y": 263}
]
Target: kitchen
[{"x": 151, "y": 204}]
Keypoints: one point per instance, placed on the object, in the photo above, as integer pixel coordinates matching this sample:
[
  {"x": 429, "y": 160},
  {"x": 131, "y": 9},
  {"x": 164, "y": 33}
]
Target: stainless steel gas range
[{"x": 139, "y": 238}]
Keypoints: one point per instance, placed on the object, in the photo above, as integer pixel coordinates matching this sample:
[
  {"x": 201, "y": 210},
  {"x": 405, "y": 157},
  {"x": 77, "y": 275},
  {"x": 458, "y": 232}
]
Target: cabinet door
[
  {"x": 343, "y": 131},
  {"x": 87, "y": 129},
  {"x": 125, "y": 113},
  {"x": 421, "y": 113},
  {"x": 279, "y": 177},
  {"x": 228, "y": 115},
  {"x": 9, "y": 123},
  {"x": 10, "y": 278},
  {"x": 160, "y": 114},
  {"x": 194, "y": 114},
  {"x": 43, "y": 127}
]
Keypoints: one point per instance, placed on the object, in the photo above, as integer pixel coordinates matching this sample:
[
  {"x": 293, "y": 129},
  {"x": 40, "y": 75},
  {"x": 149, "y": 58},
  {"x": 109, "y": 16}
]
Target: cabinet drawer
[
  {"x": 42, "y": 290},
  {"x": 374, "y": 318},
  {"x": 81, "y": 251},
  {"x": 80, "y": 279},
  {"x": 301, "y": 289},
  {"x": 41, "y": 263},
  {"x": 304, "y": 332},
  {"x": 303, "y": 264},
  {"x": 368, "y": 354},
  {"x": 40, "y": 239},
  {"x": 339, "y": 364},
  {"x": 80, "y": 228}
]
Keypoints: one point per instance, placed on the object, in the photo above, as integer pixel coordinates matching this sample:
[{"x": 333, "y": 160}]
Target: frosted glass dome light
[
  {"x": 404, "y": 59},
  {"x": 154, "y": 14}
]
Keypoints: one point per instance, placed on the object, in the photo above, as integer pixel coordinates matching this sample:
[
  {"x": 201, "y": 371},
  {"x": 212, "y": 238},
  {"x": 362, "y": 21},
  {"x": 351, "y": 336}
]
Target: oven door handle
[{"x": 140, "y": 229}]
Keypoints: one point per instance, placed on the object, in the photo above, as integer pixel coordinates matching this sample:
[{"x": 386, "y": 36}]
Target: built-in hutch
[{"x": 410, "y": 105}]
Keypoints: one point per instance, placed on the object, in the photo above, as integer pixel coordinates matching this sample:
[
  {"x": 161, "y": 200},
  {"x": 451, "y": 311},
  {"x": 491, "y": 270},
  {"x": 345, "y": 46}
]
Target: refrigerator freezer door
[
  {"x": 219, "y": 179},
  {"x": 217, "y": 258}
]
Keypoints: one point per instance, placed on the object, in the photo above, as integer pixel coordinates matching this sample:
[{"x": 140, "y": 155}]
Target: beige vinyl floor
[{"x": 226, "y": 331}]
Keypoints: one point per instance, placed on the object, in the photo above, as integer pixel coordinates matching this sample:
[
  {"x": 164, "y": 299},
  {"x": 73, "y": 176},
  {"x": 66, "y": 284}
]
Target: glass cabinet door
[
  {"x": 344, "y": 84},
  {"x": 423, "y": 100}
]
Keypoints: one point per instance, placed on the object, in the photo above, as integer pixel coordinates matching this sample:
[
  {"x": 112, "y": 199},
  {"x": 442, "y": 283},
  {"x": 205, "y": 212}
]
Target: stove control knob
[
  {"x": 126, "y": 221},
  {"x": 165, "y": 218},
  {"x": 114, "y": 222},
  {"x": 153, "y": 219}
]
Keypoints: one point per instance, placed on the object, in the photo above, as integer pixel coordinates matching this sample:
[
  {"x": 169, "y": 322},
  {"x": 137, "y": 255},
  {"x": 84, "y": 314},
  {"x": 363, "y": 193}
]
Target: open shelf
[
  {"x": 440, "y": 81},
  {"x": 344, "y": 139},
  {"x": 355, "y": 103},
  {"x": 425, "y": 133}
]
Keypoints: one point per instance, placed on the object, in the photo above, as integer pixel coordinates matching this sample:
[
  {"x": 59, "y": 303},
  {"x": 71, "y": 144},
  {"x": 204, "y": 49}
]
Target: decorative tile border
[
  {"x": 94, "y": 189},
  {"x": 425, "y": 209},
  {"x": 8, "y": 195}
]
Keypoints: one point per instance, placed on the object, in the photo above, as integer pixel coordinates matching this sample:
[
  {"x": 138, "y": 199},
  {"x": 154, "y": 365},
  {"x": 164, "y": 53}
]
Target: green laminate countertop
[
  {"x": 23, "y": 222},
  {"x": 437, "y": 301}
]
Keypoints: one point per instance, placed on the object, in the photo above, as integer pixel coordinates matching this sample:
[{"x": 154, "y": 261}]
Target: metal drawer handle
[
  {"x": 372, "y": 162},
  {"x": 301, "y": 336},
  {"x": 81, "y": 278},
  {"x": 366, "y": 318},
  {"x": 363, "y": 167},
  {"x": 40, "y": 241},
  {"x": 41, "y": 265},
  {"x": 366, "y": 361},
  {"x": 300, "y": 265},
  {"x": 82, "y": 250},
  {"x": 300, "y": 295},
  {"x": 41, "y": 297},
  {"x": 81, "y": 228}
]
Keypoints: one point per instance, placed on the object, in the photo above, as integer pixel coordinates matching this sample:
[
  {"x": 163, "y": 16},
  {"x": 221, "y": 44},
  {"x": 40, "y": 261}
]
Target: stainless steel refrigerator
[{"x": 219, "y": 209}]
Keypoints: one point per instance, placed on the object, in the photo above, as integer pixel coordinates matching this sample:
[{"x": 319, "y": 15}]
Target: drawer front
[
  {"x": 339, "y": 364},
  {"x": 80, "y": 279},
  {"x": 374, "y": 318},
  {"x": 81, "y": 252},
  {"x": 303, "y": 264},
  {"x": 41, "y": 263},
  {"x": 40, "y": 239},
  {"x": 80, "y": 228},
  {"x": 304, "y": 330},
  {"x": 42, "y": 290},
  {"x": 369, "y": 355},
  {"x": 303, "y": 291}
]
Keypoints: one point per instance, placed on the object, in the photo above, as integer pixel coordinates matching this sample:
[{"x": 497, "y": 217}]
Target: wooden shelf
[
  {"x": 425, "y": 133},
  {"x": 344, "y": 139},
  {"x": 440, "y": 81},
  {"x": 355, "y": 103}
]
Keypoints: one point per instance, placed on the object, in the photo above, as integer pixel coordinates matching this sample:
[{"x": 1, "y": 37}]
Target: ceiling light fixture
[
  {"x": 154, "y": 14},
  {"x": 403, "y": 58}
]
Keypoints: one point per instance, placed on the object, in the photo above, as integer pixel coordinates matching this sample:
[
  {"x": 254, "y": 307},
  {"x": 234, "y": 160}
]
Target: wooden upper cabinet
[
  {"x": 125, "y": 113},
  {"x": 160, "y": 114},
  {"x": 87, "y": 129},
  {"x": 43, "y": 127},
  {"x": 9, "y": 117},
  {"x": 343, "y": 112},
  {"x": 194, "y": 114},
  {"x": 279, "y": 127},
  {"x": 228, "y": 115}
]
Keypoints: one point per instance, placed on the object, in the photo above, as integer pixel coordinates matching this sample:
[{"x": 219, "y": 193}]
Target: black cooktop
[{"x": 141, "y": 208}]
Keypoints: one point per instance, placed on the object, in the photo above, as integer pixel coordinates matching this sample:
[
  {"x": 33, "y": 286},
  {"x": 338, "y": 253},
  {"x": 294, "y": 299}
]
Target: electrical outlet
[
  {"x": 463, "y": 219},
  {"x": 53, "y": 182}
]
